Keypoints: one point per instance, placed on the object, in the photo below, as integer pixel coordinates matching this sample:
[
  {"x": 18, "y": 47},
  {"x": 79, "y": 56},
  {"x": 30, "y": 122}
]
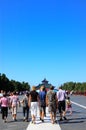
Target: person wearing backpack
[
  {"x": 25, "y": 107},
  {"x": 51, "y": 102}
]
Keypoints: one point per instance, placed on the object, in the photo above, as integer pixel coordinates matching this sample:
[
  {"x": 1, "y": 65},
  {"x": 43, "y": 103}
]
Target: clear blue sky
[{"x": 43, "y": 39}]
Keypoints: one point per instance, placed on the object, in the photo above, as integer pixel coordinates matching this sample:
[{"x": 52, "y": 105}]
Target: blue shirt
[{"x": 42, "y": 95}]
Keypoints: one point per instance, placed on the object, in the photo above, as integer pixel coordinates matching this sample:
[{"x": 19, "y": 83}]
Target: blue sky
[{"x": 43, "y": 39}]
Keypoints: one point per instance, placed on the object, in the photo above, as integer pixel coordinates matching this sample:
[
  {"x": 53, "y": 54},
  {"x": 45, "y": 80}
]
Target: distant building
[{"x": 45, "y": 83}]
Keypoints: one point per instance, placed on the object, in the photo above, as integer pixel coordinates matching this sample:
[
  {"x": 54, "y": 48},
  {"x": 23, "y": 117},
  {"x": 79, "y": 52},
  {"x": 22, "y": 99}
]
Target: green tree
[{"x": 7, "y": 85}]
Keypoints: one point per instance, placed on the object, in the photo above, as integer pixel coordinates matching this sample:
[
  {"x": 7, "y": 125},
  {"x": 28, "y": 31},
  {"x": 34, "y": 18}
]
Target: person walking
[
  {"x": 1, "y": 95},
  {"x": 33, "y": 103},
  {"x": 51, "y": 102},
  {"x": 4, "y": 101},
  {"x": 25, "y": 106},
  {"x": 14, "y": 102},
  {"x": 68, "y": 105},
  {"x": 61, "y": 95},
  {"x": 42, "y": 105}
]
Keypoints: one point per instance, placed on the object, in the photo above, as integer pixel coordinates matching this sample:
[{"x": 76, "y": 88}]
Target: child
[{"x": 68, "y": 105}]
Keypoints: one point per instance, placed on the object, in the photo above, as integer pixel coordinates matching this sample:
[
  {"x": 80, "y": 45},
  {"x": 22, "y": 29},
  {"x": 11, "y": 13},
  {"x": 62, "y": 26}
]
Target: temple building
[{"x": 45, "y": 83}]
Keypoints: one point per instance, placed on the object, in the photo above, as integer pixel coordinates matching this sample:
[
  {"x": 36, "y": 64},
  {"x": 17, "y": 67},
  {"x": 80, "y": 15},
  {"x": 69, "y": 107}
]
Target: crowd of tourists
[{"x": 55, "y": 101}]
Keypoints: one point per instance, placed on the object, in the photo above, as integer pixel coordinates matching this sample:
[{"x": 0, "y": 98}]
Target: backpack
[
  {"x": 25, "y": 102},
  {"x": 51, "y": 96}
]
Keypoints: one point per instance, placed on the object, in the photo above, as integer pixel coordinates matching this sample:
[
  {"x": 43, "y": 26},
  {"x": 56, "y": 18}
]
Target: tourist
[
  {"x": 14, "y": 102},
  {"x": 61, "y": 95},
  {"x": 68, "y": 105},
  {"x": 33, "y": 103},
  {"x": 51, "y": 102},
  {"x": 25, "y": 106},
  {"x": 1, "y": 95},
  {"x": 4, "y": 101},
  {"x": 42, "y": 106}
]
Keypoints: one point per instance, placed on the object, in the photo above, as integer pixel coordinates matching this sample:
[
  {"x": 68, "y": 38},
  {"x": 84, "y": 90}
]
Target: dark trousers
[
  {"x": 4, "y": 112},
  {"x": 26, "y": 112},
  {"x": 61, "y": 106}
]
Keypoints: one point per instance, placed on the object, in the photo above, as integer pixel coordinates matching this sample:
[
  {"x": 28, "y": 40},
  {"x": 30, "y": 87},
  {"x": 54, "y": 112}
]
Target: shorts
[
  {"x": 14, "y": 110},
  {"x": 34, "y": 106},
  {"x": 61, "y": 106}
]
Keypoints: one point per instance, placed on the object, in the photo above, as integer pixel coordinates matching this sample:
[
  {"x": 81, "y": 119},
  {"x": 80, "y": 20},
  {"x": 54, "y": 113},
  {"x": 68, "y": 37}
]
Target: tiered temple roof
[{"x": 45, "y": 83}]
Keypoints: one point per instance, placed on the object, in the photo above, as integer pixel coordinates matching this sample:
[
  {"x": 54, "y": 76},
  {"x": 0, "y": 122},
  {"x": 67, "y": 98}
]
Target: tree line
[
  {"x": 12, "y": 85},
  {"x": 76, "y": 87}
]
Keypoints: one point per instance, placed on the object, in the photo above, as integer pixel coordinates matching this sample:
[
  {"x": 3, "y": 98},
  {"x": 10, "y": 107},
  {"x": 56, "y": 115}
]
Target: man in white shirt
[{"x": 61, "y": 95}]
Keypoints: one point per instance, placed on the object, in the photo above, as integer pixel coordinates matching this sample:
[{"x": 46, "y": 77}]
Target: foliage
[
  {"x": 12, "y": 85},
  {"x": 76, "y": 87}
]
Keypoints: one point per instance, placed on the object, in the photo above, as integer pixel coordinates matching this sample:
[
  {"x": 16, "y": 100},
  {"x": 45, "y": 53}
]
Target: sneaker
[
  {"x": 32, "y": 121},
  {"x": 42, "y": 120},
  {"x": 55, "y": 121},
  {"x": 15, "y": 119},
  {"x": 52, "y": 121},
  {"x": 6, "y": 120},
  {"x": 45, "y": 115},
  {"x": 65, "y": 118},
  {"x": 26, "y": 120},
  {"x": 61, "y": 119}
]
